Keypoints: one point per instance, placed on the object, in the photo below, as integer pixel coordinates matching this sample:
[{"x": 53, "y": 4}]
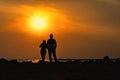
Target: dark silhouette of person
[
  {"x": 43, "y": 47},
  {"x": 51, "y": 45}
]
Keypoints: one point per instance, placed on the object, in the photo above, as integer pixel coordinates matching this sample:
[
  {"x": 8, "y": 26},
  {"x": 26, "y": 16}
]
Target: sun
[
  {"x": 38, "y": 22},
  {"x": 42, "y": 20}
]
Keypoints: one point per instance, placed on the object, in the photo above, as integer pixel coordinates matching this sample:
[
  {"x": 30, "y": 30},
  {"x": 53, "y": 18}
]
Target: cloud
[
  {"x": 91, "y": 12},
  {"x": 23, "y": 2},
  {"x": 114, "y": 2}
]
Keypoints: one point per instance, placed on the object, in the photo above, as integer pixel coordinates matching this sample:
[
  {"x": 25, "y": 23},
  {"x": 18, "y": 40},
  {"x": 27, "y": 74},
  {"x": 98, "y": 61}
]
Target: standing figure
[
  {"x": 51, "y": 44},
  {"x": 43, "y": 47}
]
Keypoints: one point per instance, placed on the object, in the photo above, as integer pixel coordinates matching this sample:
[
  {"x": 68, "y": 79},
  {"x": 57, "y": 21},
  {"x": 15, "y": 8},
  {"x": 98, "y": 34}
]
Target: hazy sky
[{"x": 82, "y": 28}]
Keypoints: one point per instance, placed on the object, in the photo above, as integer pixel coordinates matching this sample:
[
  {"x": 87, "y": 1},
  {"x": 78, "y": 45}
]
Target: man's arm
[
  {"x": 55, "y": 44},
  {"x": 40, "y": 45}
]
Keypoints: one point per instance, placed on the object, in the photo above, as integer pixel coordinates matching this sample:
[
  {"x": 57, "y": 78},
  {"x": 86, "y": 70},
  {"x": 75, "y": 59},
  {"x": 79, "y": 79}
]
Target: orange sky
[{"x": 82, "y": 28}]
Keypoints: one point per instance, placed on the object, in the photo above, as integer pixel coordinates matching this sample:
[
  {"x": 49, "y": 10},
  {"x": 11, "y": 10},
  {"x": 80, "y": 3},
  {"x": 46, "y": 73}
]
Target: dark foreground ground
[{"x": 59, "y": 71}]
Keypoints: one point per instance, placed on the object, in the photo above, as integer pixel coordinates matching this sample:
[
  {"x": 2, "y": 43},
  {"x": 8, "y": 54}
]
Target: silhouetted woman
[{"x": 43, "y": 47}]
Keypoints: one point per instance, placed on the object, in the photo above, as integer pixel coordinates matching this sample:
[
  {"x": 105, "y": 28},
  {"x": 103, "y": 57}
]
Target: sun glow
[
  {"x": 38, "y": 23},
  {"x": 42, "y": 19}
]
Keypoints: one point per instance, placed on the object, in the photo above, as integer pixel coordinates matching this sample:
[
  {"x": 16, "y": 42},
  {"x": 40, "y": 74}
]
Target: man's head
[
  {"x": 44, "y": 41},
  {"x": 51, "y": 36}
]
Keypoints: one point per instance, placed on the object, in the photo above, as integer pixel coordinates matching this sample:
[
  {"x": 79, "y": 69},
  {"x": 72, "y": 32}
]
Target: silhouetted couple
[{"x": 50, "y": 46}]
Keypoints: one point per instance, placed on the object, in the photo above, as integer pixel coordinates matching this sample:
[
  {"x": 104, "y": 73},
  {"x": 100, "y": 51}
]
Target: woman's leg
[{"x": 44, "y": 54}]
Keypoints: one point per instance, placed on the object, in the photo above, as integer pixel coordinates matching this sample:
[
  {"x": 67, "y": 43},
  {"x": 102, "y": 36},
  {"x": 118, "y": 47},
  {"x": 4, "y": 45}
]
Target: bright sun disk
[{"x": 38, "y": 23}]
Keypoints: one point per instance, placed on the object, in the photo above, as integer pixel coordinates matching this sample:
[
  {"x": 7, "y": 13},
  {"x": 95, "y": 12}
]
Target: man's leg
[
  {"x": 54, "y": 55},
  {"x": 50, "y": 57}
]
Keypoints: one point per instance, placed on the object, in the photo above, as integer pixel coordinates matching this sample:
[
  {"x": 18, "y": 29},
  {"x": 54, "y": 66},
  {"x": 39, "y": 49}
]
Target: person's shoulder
[
  {"x": 48, "y": 40},
  {"x": 54, "y": 40}
]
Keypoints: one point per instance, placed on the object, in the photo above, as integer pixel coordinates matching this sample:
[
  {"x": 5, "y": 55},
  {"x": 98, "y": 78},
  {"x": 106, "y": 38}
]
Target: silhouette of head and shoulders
[
  {"x": 51, "y": 42},
  {"x": 43, "y": 45}
]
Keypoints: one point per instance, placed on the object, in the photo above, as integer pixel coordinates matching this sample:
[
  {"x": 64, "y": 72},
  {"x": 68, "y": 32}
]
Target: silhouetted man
[{"x": 51, "y": 44}]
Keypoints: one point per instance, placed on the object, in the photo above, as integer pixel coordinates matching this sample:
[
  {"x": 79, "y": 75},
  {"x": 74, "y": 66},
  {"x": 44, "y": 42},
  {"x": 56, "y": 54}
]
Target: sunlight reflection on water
[{"x": 33, "y": 61}]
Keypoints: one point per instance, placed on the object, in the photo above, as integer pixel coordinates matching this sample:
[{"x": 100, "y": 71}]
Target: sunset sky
[{"x": 82, "y": 28}]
